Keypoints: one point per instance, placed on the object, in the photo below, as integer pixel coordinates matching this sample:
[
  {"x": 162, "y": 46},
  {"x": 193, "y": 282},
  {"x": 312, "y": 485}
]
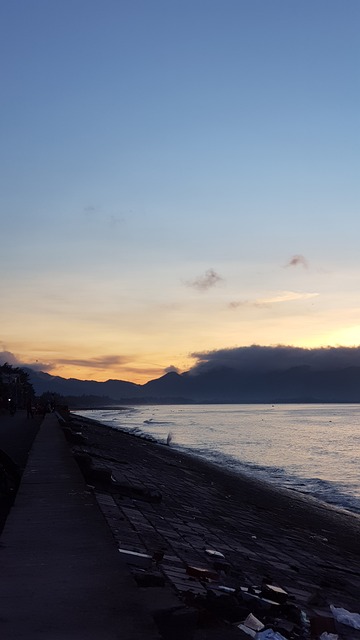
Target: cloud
[
  {"x": 171, "y": 369},
  {"x": 276, "y": 358},
  {"x": 298, "y": 260},
  {"x": 96, "y": 214},
  {"x": 90, "y": 209},
  {"x": 282, "y": 296},
  {"x": 205, "y": 282},
  {"x": 10, "y": 358},
  {"x": 101, "y": 362}
]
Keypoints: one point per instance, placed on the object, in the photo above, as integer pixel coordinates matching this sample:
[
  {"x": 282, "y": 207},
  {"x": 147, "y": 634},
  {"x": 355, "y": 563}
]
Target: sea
[{"x": 313, "y": 449}]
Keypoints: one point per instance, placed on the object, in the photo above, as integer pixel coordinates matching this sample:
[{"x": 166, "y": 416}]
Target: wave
[
  {"x": 151, "y": 421},
  {"x": 325, "y": 491}
]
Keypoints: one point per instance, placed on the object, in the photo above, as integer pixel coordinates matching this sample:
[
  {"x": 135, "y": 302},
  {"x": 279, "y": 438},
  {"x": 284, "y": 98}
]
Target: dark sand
[{"x": 309, "y": 549}]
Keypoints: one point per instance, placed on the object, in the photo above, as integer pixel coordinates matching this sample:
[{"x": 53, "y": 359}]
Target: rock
[
  {"x": 274, "y": 593},
  {"x": 202, "y": 573}
]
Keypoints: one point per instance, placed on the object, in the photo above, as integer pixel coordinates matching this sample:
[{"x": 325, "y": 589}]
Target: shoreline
[
  {"x": 185, "y": 504},
  {"x": 240, "y": 469},
  {"x": 254, "y": 489}
]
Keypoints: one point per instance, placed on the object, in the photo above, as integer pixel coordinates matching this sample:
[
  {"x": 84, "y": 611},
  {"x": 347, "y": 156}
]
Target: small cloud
[
  {"x": 240, "y": 303},
  {"x": 90, "y": 209},
  {"x": 101, "y": 362},
  {"x": 171, "y": 369},
  {"x": 205, "y": 282},
  {"x": 283, "y": 296},
  {"x": 298, "y": 260},
  {"x": 288, "y": 296},
  {"x": 115, "y": 221}
]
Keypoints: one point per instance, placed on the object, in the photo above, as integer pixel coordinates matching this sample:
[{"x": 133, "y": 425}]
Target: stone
[
  {"x": 274, "y": 593},
  {"x": 202, "y": 573}
]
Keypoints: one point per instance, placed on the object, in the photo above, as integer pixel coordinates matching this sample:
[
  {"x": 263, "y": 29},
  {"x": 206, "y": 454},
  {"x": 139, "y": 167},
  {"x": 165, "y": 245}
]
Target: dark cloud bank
[
  {"x": 253, "y": 374},
  {"x": 263, "y": 359}
]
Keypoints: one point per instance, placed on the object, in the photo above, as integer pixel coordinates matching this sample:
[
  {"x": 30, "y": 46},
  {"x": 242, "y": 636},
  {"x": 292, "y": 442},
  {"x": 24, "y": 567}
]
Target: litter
[
  {"x": 269, "y": 634},
  {"x": 245, "y": 629},
  {"x": 271, "y": 592},
  {"x": 345, "y": 617},
  {"x": 253, "y": 623},
  {"x": 214, "y": 554},
  {"x": 138, "y": 559}
]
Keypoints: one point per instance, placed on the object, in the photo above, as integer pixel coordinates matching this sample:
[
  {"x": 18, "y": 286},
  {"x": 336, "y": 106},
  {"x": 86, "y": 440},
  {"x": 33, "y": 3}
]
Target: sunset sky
[{"x": 177, "y": 177}]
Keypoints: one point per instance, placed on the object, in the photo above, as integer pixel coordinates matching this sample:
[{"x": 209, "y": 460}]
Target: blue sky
[{"x": 146, "y": 143}]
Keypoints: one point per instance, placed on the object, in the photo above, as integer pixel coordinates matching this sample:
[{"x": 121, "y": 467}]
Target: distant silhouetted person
[
  {"x": 12, "y": 406},
  {"x": 29, "y": 408}
]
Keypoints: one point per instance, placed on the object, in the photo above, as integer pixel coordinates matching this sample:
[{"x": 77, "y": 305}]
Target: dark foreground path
[
  {"x": 17, "y": 434},
  {"x": 62, "y": 577}
]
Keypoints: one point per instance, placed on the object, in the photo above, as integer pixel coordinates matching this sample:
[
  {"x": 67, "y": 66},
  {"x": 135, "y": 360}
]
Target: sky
[{"x": 178, "y": 177}]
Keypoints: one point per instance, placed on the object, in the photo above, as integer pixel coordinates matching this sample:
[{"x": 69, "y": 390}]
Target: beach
[{"x": 194, "y": 530}]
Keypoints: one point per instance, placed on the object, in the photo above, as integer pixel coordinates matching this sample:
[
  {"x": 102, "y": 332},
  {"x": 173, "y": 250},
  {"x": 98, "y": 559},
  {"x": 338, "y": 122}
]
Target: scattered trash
[
  {"x": 222, "y": 587},
  {"x": 215, "y": 554},
  {"x": 345, "y": 617},
  {"x": 253, "y": 623},
  {"x": 269, "y": 634},
  {"x": 201, "y": 572},
  {"x": 271, "y": 592},
  {"x": 329, "y": 636},
  {"x": 137, "y": 559},
  {"x": 245, "y": 629}
]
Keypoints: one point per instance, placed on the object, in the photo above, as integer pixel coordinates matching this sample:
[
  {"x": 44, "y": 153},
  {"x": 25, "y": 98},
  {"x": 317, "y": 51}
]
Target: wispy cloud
[
  {"x": 100, "y": 362},
  {"x": 207, "y": 281},
  {"x": 283, "y": 296},
  {"x": 97, "y": 215},
  {"x": 296, "y": 261}
]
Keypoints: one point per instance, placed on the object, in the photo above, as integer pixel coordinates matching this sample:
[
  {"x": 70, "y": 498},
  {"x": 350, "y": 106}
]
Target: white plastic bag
[
  {"x": 345, "y": 617},
  {"x": 269, "y": 634},
  {"x": 328, "y": 636}
]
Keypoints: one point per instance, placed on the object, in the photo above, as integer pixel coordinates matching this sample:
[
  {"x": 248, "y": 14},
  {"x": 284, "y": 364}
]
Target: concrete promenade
[{"x": 62, "y": 576}]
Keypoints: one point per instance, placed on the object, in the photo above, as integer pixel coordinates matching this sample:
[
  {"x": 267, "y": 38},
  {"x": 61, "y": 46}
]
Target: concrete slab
[{"x": 62, "y": 576}]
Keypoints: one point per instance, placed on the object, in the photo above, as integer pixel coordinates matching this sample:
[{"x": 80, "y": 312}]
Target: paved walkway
[{"x": 61, "y": 574}]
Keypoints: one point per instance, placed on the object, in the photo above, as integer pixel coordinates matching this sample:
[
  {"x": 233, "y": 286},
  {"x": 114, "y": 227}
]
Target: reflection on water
[{"x": 310, "y": 448}]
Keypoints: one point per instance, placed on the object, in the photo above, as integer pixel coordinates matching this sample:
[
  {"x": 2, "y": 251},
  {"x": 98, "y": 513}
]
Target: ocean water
[{"x": 313, "y": 449}]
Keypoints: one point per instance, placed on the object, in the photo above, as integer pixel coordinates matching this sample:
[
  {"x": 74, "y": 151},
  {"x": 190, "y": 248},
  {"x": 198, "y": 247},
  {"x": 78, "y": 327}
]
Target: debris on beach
[
  {"x": 232, "y": 576},
  {"x": 346, "y": 617}
]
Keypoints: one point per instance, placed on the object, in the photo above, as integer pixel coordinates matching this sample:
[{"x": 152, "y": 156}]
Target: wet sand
[{"x": 161, "y": 501}]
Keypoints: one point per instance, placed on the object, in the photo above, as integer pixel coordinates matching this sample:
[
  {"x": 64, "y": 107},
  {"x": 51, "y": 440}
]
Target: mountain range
[{"x": 218, "y": 385}]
